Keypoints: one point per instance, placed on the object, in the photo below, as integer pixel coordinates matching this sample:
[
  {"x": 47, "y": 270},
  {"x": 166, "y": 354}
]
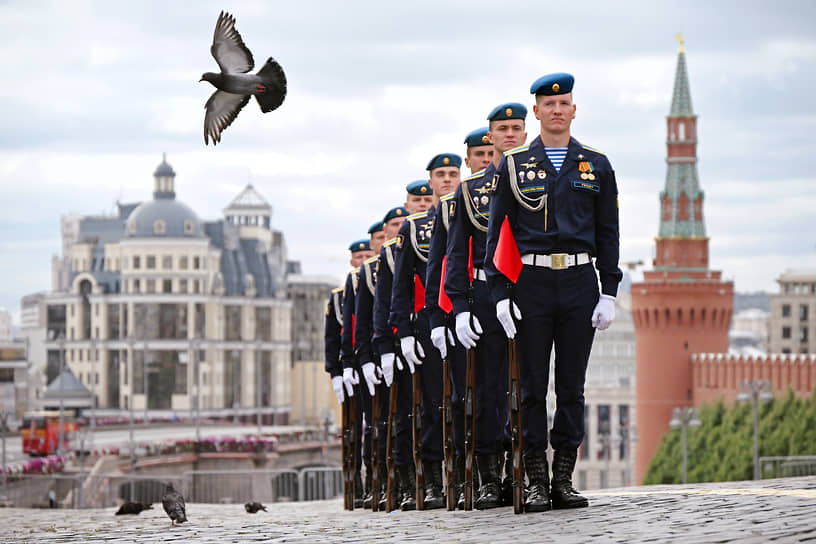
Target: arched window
[
  {"x": 189, "y": 227},
  {"x": 159, "y": 227}
]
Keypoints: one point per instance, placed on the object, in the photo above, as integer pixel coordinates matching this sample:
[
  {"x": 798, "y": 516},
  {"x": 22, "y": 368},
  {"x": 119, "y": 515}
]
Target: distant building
[
  {"x": 33, "y": 313},
  {"x": 13, "y": 378},
  {"x": 5, "y": 326},
  {"x": 749, "y": 332},
  {"x": 154, "y": 307},
  {"x": 793, "y": 313}
]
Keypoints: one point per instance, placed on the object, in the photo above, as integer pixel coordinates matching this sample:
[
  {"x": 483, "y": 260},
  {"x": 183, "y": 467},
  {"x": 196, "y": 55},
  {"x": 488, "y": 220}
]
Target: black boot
[
  {"x": 367, "y": 492},
  {"x": 358, "y": 489},
  {"x": 433, "y": 485},
  {"x": 538, "y": 497},
  {"x": 563, "y": 494},
  {"x": 383, "y": 491},
  {"x": 507, "y": 482},
  {"x": 459, "y": 476},
  {"x": 490, "y": 490},
  {"x": 407, "y": 477}
]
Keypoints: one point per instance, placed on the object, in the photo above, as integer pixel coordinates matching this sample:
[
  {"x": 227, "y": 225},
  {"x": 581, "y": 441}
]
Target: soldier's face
[
  {"x": 417, "y": 203},
  {"x": 357, "y": 257},
  {"x": 478, "y": 158},
  {"x": 392, "y": 227},
  {"x": 377, "y": 240},
  {"x": 555, "y": 113},
  {"x": 507, "y": 134},
  {"x": 444, "y": 180}
]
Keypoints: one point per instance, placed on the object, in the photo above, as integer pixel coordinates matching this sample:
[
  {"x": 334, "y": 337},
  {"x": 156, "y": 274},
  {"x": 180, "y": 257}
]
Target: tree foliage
[{"x": 721, "y": 449}]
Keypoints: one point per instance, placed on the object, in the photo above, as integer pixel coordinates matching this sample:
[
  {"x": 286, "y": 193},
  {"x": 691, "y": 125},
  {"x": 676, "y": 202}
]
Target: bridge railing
[{"x": 787, "y": 466}]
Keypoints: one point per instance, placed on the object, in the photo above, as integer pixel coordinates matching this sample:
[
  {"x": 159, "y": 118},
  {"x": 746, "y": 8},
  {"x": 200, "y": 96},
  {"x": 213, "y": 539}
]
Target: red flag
[
  {"x": 444, "y": 301},
  {"x": 507, "y": 258},
  {"x": 353, "y": 329},
  {"x": 470, "y": 259},
  {"x": 419, "y": 294}
]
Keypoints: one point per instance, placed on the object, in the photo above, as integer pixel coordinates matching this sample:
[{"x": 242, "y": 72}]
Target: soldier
[
  {"x": 418, "y": 199},
  {"x": 360, "y": 251},
  {"x": 478, "y": 155},
  {"x": 411, "y": 321},
  {"x": 363, "y": 331},
  {"x": 553, "y": 210},
  {"x": 476, "y": 324}
]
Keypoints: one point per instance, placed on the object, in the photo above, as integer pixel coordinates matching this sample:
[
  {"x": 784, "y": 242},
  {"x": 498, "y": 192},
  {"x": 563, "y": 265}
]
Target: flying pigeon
[
  {"x": 173, "y": 504},
  {"x": 133, "y": 508},
  {"x": 234, "y": 83},
  {"x": 253, "y": 507}
]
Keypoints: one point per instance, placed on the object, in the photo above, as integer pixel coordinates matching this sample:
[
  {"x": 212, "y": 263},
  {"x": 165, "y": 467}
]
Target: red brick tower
[{"x": 681, "y": 307}]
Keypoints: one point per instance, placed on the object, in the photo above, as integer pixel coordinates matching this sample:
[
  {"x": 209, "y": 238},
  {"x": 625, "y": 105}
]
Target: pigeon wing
[
  {"x": 221, "y": 110},
  {"x": 275, "y": 82},
  {"x": 228, "y": 48}
]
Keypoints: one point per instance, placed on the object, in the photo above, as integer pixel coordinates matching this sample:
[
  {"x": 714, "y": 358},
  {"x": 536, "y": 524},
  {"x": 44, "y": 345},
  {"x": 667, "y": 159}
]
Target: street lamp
[
  {"x": 684, "y": 417},
  {"x": 755, "y": 391}
]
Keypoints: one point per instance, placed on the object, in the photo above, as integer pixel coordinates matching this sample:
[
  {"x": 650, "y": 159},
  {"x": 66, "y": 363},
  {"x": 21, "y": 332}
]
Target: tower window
[
  {"x": 159, "y": 227},
  {"x": 189, "y": 227}
]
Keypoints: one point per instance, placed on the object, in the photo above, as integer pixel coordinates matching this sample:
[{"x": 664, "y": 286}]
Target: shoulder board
[
  {"x": 593, "y": 150},
  {"x": 338, "y": 289},
  {"x": 355, "y": 270},
  {"x": 391, "y": 242},
  {"x": 478, "y": 174},
  {"x": 418, "y": 215},
  {"x": 372, "y": 259},
  {"x": 518, "y": 149},
  {"x": 447, "y": 197}
]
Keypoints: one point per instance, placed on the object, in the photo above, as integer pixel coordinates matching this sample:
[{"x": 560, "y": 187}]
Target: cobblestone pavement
[{"x": 782, "y": 510}]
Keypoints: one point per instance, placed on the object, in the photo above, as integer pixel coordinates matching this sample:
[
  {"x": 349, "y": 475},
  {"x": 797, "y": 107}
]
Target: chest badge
[
  {"x": 586, "y": 169},
  {"x": 531, "y": 175},
  {"x": 542, "y": 174}
]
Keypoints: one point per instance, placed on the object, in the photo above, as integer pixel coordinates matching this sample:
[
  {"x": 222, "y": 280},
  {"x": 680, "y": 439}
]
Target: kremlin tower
[{"x": 681, "y": 307}]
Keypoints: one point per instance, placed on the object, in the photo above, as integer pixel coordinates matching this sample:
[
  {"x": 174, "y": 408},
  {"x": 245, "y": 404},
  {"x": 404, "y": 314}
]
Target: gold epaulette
[
  {"x": 474, "y": 176},
  {"x": 418, "y": 215},
  {"x": 593, "y": 150},
  {"x": 338, "y": 289},
  {"x": 391, "y": 242},
  {"x": 372, "y": 259},
  {"x": 447, "y": 197},
  {"x": 518, "y": 149}
]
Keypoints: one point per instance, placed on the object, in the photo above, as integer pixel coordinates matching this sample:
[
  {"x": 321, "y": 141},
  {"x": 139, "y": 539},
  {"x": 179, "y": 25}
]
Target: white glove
[
  {"x": 387, "y": 365},
  {"x": 337, "y": 385},
  {"x": 438, "y": 339},
  {"x": 412, "y": 351},
  {"x": 505, "y": 316},
  {"x": 604, "y": 312},
  {"x": 350, "y": 379},
  {"x": 468, "y": 335},
  {"x": 370, "y": 375}
]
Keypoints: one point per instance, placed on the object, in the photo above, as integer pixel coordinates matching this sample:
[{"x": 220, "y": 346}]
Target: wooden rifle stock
[
  {"x": 416, "y": 414},
  {"x": 470, "y": 413},
  {"x": 390, "y": 444},
  {"x": 516, "y": 432},
  {"x": 447, "y": 432},
  {"x": 375, "y": 449}
]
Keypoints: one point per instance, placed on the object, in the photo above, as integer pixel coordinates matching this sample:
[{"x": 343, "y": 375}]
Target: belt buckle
[{"x": 558, "y": 261}]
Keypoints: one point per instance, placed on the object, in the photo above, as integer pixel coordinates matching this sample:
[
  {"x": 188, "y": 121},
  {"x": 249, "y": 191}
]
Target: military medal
[
  {"x": 485, "y": 200},
  {"x": 585, "y": 167},
  {"x": 531, "y": 175},
  {"x": 542, "y": 174}
]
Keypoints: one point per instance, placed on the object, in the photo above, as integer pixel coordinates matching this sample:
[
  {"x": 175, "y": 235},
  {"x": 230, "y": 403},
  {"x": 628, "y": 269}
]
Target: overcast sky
[{"x": 93, "y": 93}]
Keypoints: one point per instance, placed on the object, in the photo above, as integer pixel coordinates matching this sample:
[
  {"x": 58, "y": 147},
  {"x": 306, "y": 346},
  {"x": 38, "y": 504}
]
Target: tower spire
[{"x": 681, "y": 99}]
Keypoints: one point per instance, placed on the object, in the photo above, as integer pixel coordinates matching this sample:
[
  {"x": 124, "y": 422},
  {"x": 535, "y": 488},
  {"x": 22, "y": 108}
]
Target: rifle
[
  {"x": 470, "y": 411},
  {"x": 447, "y": 427},
  {"x": 516, "y": 433},
  {"x": 348, "y": 454},
  {"x": 355, "y": 447},
  {"x": 375, "y": 449},
  {"x": 416, "y": 414},
  {"x": 391, "y": 441}
]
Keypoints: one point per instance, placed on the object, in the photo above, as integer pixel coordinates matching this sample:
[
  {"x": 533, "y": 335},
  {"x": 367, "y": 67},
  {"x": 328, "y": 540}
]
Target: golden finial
[{"x": 679, "y": 39}]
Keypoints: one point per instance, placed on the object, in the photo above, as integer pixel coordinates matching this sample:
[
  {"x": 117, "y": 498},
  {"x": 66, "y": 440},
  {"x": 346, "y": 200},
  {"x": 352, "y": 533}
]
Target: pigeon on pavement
[
  {"x": 173, "y": 504},
  {"x": 133, "y": 508},
  {"x": 253, "y": 507},
  {"x": 234, "y": 83}
]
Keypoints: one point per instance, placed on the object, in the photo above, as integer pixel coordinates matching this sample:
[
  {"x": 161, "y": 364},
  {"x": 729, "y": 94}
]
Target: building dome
[
  {"x": 164, "y": 170},
  {"x": 165, "y": 218}
]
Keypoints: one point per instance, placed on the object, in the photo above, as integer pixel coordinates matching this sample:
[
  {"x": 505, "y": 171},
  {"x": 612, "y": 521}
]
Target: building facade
[
  {"x": 793, "y": 313},
  {"x": 164, "y": 311},
  {"x": 681, "y": 306}
]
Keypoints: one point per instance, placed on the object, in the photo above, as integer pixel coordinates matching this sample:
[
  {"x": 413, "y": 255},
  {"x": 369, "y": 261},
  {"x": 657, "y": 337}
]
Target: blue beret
[
  {"x": 445, "y": 159},
  {"x": 477, "y": 137},
  {"x": 420, "y": 187},
  {"x": 376, "y": 227},
  {"x": 399, "y": 211},
  {"x": 552, "y": 84},
  {"x": 511, "y": 110},
  {"x": 360, "y": 245}
]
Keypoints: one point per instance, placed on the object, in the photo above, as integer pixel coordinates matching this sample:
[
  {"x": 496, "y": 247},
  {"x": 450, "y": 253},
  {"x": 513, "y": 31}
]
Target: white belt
[
  {"x": 479, "y": 274},
  {"x": 556, "y": 261}
]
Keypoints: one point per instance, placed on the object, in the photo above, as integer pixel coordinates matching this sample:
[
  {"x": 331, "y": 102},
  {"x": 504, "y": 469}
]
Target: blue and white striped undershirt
[{"x": 556, "y": 156}]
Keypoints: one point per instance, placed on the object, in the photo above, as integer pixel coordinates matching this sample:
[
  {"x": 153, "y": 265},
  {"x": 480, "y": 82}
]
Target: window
[
  {"x": 136, "y": 286},
  {"x": 137, "y": 262},
  {"x": 786, "y": 350},
  {"x": 150, "y": 286},
  {"x": 196, "y": 263},
  {"x": 786, "y": 332},
  {"x": 151, "y": 262},
  {"x": 189, "y": 227},
  {"x": 803, "y": 312},
  {"x": 786, "y": 309},
  {"x": 803, "y": 334},
  {"x": 167, "y": 286},
  {"x": 159, "y": 227},
  {"x": 182, "y": 286},
  {"x": 167, "y": 262},
  {"x": 604, "y": 430},
  {"x": 125, "y": 263},
  {"x": 183, "y": 262}
]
